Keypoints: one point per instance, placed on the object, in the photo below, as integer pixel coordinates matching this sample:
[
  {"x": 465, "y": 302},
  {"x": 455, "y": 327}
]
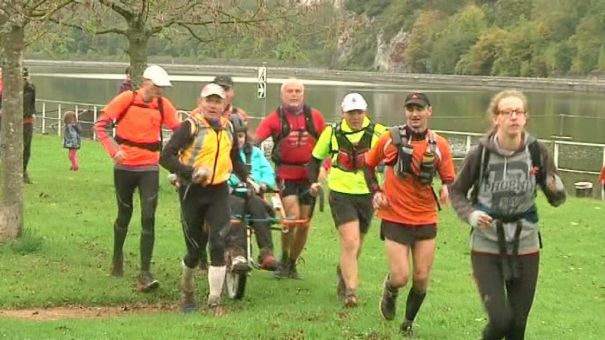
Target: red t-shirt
[
  {"x": 295, "y": 149},
  {"x": 603, "y": 175}
]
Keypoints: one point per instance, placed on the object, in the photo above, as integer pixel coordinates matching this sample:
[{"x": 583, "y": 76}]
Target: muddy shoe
[
  {"x": 239, "y": 264},
  {"x": 388, "y": 303},
  {"x": 350, "y": 298},
  {"x": 293, "y": 272},
  {"x": 340, "y": 285},
  {"x": 188, "y": 304},
  {"x": 283, "y": 269},
  {"x": 214, "y": 306},
  {"x": 146, "y": 282},
  {"x": 406, "y": 329},
  {"x": 27, "y": 179},
  {"x": 117, "y": 266}
]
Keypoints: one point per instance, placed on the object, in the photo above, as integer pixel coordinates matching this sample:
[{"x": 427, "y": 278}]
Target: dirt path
[{"x": 82, "y": 312}]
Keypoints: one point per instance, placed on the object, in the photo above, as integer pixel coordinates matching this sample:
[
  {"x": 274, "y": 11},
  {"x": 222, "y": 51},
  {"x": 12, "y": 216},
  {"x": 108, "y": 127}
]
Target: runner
[
  {"x": 505, "y": 171},
  {"x": 203, "y": 154},
  {"x": 407, "y": 203},
  {"x": 295, "y": 128},
  {"x": 135, "y": 150},
  {"x": 350, "y": 201},
  {"x": 226, "y": 82}
]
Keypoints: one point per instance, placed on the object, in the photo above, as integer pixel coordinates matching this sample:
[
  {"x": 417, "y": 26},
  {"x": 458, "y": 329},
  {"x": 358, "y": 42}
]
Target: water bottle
[{"x": 427, "y": 168}]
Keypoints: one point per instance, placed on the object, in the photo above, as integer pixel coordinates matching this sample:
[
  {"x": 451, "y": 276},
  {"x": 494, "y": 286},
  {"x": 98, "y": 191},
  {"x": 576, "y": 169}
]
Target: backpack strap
[
  {"x": 161, "y": 109},
  {"x": 309, "y": 123},
  {"x": 536, "y": 162},
  {"x": 336, "y": 132},
  {"x": 398, "y": 135},
  {"x": 284, "y": 126},
  {"x": 480, "y": 171},
  {"x": 123, "y": 113}
]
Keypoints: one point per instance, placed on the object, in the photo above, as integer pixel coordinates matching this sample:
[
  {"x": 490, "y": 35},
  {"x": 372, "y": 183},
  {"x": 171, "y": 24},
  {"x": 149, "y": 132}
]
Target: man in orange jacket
[{"x": 135, "y": 150}]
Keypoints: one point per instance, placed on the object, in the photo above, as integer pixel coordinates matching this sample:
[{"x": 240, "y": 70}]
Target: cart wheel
[{"x": 235, "y": 284}]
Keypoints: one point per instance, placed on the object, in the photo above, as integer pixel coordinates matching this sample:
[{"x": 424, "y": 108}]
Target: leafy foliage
[{"x": 538, "y": 38}]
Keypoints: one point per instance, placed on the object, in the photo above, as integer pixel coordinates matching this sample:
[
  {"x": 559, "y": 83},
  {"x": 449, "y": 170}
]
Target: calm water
[{"x": 455, "y": 109}]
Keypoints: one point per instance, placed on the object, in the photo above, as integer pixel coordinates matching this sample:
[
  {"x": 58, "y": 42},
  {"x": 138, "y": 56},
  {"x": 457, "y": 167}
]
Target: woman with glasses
[{"x": 502, "y": 175}]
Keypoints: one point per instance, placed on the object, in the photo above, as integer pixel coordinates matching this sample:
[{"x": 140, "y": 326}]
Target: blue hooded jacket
[{"x": 260, "y": 168}]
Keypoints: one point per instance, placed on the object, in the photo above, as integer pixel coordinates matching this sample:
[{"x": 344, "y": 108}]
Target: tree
[
  {"x": 208, "y": 20},
  {"x": 15, "y": 17}
]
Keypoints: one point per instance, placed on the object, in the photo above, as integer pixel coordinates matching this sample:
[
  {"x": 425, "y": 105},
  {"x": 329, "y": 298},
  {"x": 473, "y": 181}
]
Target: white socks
[{"x": 216, "y": 278}]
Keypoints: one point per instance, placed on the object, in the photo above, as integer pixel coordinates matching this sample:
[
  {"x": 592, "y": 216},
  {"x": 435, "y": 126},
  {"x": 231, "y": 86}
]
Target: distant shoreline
[{"x": 387, "y": 79}]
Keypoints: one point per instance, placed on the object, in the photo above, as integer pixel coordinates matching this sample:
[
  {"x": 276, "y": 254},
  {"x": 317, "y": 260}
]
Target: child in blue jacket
[{"x": 71, "y": 138}]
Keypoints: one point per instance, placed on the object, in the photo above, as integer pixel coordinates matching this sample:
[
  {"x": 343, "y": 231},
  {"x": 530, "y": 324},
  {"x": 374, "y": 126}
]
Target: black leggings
[
  {"x": 256, "y": 207},
  {"x": 126, "y": 182},
  {"x": 28, "y": 134},
  {"x": 507, "y": 302},
  {"x": 204, "y": 204}
]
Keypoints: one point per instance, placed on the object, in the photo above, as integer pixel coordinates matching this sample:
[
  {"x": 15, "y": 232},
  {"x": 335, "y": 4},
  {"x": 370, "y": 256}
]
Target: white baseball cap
[
  {"x": 212, "y": 89},
  {"x": 353, "y": 101},
  {"x": 157, "y": 75}
]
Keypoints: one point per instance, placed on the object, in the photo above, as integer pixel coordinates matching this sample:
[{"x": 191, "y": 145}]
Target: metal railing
[{"x": 50, "y": 120}]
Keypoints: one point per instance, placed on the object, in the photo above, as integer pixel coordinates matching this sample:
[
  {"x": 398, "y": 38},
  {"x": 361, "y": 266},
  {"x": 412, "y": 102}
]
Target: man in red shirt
[
  {"x": 294, "y": 128},
  {"x": 135, "y": 150}
]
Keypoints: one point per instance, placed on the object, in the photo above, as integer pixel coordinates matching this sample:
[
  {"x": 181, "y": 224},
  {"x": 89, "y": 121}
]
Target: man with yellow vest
[
  {"x": 202, "y": 153},
  {"x": 350, "y": 200}
]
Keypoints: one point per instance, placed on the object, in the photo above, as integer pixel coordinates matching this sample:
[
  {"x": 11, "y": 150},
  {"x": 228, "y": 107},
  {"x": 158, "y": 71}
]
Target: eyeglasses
[{"x": 509, "y": 112}]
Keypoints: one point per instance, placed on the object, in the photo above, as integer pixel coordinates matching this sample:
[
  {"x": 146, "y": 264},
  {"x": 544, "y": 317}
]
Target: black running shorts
[
  {"x": 300, "y": 188},
  {"x": 349, "y": 207},
  {"x": 405, "y": 233}
]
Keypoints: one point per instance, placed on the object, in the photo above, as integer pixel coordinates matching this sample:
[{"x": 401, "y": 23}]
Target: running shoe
[
  {"x": 388, "y": 303},
  {"x": 146, "y": 282}
]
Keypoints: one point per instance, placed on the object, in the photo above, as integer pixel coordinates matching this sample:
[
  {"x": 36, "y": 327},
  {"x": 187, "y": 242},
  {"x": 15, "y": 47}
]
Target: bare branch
[
  {"x": 44, "y": 14},
  {"x": 193, "y": 34},
  {"x": 105, "y": 31},
  {"x": 121, "y": 10}
]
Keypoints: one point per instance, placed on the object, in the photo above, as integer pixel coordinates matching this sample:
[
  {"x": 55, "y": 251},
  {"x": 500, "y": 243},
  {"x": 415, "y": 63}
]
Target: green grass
[{"x": 63, "y": 260}]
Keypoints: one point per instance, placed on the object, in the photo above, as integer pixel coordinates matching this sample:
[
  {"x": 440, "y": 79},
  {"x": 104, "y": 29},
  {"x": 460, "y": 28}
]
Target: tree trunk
[
  {"x": 11, "y": 134},
  {"x": 138, "y": 40}
]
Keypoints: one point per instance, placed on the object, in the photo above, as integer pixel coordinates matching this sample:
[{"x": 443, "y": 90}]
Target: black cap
[
  {"x": 417, "y": 98},
  {"x": 223, "y": 80}
]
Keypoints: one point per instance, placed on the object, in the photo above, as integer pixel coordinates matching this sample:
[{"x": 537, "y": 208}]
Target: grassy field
[{"x": 63, "y": 260}]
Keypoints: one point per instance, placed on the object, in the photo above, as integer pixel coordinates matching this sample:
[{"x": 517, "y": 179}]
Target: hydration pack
[
  {"x": 402, "y": 166},
  {"x": 350, "y": 157},
  {"x": 285, "y": 130}
]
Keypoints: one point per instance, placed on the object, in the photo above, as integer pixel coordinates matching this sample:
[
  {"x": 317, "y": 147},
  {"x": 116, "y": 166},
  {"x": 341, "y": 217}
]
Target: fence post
[
  {"x": 468, "y": 143},
  {"x": 43, "y": 117},
  {"x": 94, "y": 120},
  {"x": 556, "y": 154},
  {"x": 59, "y": 114},
  {"x": 561, "y": 123},
  {"x": 602, "y": 185}
]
